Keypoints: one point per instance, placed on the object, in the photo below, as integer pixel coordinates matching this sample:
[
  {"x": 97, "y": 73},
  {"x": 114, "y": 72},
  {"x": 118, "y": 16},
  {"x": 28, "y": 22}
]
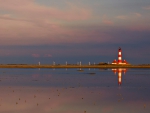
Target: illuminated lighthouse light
[{"x": 119, "y": 58}]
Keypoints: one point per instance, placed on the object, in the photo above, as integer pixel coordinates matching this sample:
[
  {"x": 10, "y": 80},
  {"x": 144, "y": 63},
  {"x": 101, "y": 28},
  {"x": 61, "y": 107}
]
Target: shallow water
[{"x": 74, "y": 90}]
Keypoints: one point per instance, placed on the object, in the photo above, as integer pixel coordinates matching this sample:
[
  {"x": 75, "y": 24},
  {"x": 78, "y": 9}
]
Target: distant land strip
[{"x": 71, "y": 66}]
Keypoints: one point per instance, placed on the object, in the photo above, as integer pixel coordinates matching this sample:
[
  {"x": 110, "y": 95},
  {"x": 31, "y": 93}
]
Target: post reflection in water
[{"x": 119, "y": 71}]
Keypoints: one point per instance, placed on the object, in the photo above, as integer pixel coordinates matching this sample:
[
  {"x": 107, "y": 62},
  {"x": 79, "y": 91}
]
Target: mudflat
[{"x": 71, "y": 66}]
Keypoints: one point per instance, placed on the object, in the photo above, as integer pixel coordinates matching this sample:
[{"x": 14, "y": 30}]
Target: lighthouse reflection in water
[{"x": 119, "y": 71}]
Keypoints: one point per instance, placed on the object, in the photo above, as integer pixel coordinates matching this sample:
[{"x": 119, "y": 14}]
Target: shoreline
[{"x": 71, "y": 66}]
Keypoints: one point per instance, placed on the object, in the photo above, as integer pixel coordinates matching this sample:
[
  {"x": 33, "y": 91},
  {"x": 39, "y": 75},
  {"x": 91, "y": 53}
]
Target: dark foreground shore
[{"x": 71, "y": 66}]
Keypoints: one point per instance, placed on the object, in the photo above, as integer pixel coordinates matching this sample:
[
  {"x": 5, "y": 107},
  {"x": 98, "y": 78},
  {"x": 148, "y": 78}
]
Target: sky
[{"x": 73, "y": 31}]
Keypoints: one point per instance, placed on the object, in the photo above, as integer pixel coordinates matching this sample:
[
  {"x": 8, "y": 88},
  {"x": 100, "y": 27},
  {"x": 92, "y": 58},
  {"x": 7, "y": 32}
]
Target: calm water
[{"x": 74, "y": 91}]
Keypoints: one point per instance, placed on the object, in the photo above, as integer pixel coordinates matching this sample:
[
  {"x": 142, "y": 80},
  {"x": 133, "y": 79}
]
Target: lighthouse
[
  {"x": 120, "y": 61},
  {"x": 119, "y": 56}
]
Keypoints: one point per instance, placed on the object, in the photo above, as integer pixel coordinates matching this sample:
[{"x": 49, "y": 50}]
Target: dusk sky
[{"x": 74, "y": 30}]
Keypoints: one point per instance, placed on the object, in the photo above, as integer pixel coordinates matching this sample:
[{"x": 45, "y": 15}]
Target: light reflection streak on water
[{"x": 119, "y": 71}]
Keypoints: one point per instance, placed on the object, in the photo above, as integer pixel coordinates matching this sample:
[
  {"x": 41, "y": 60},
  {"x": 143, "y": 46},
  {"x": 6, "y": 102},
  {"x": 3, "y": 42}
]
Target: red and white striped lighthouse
[
  {"x": 120, "y": 61},
  {"x": 119, "y": 56}
]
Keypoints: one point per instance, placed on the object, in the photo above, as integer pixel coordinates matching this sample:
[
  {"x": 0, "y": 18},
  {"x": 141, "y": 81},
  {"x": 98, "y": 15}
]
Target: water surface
[{"x": 74, "y": 90}]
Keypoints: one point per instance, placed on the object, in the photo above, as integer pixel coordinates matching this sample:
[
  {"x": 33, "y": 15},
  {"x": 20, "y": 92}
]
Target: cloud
[
  {"x": 22, "y": 32},
  {"x": 137, "y": 14},
  {"x": 107, "y": 21},
  {"x": 38, "y": 55},
  {"x": 123, "y": 17},
  {"x": 146, "y": 8},
  {"x": 35, "y": 55},
  {"x": 30, "y": 8},
  {"x": 29, "y": 23},
  {"x": 129, "y": 16},
  {"x": 139, "y": 28},
  {"x": 47, "y": 55}
]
